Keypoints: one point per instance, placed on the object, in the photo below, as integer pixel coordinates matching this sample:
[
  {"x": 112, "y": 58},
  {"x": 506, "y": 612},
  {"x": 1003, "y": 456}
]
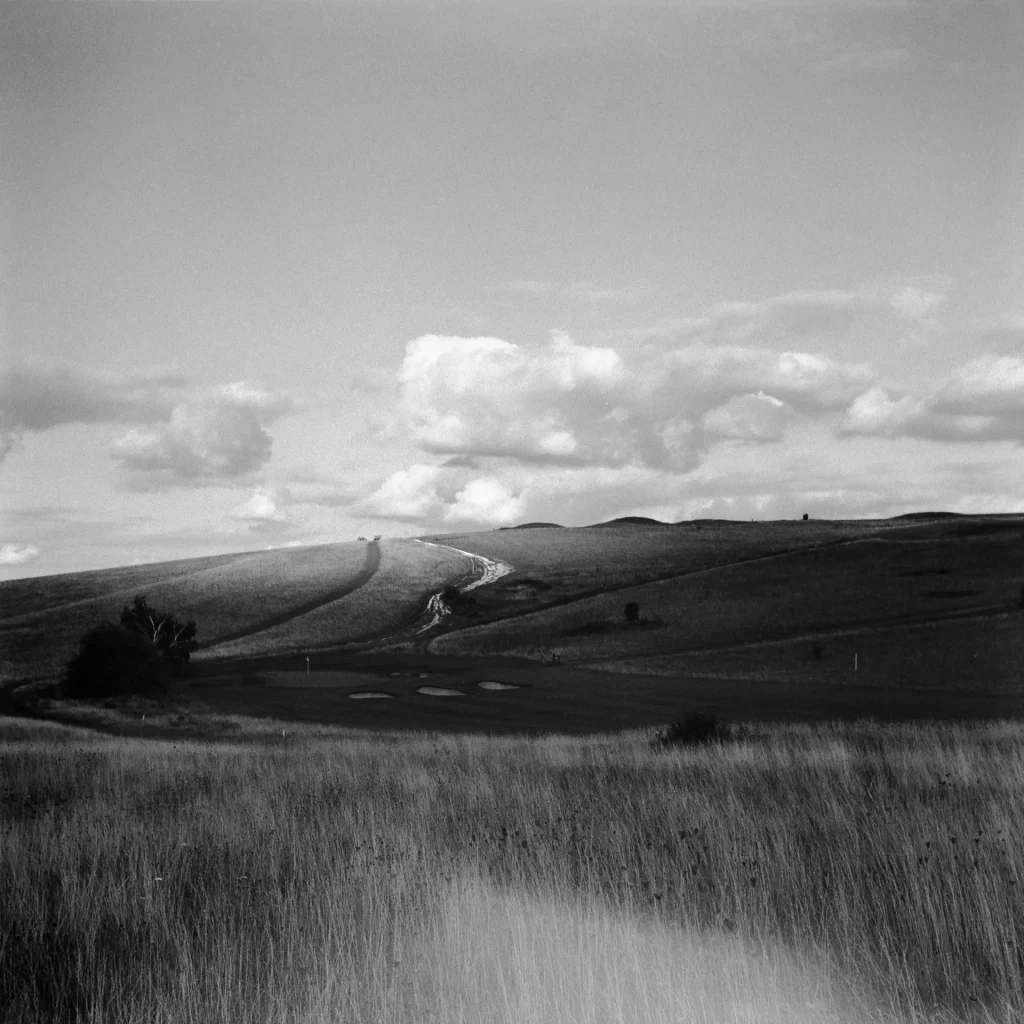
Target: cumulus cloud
[
  {"x": 568, "y": 404},
  {"x": 486, "y": 500},
  {"x": 748, "y": 417},
  {"x": 182, "y": 434},
  {"x": 17, "y": 554},
  {"x": 265, "y": 511},
  {"x": 445, "y": 494},
  {"x": 36, "y": 396},
  {"x": 983, "y": 400},
  {"x": 215, "y": 436}
]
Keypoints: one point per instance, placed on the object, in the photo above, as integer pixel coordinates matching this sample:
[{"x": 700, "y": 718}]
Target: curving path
[
  {"x": 436, "y": 609},
  {"x": 370, "y": 566}
]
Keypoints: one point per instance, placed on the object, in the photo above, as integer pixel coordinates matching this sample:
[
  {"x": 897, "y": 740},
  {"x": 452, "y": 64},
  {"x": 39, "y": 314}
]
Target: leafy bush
[
  {"x": 112, "y": 661},
  {"x": 695, "y": 729}
]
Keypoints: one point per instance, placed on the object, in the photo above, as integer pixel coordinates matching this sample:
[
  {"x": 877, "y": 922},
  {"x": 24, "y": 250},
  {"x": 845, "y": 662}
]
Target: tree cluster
[{"x": 140, "y": 654}]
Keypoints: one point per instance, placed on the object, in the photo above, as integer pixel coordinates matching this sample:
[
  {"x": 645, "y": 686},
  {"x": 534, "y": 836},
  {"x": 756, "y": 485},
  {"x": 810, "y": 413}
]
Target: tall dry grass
[{"x": 850, "y": 873}]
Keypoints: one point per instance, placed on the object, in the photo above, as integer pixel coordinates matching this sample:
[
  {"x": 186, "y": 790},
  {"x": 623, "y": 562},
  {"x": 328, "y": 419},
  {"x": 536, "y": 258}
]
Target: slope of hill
[
  {"x": 785, "y": 619},
  {"x": 43, "y": 618}
]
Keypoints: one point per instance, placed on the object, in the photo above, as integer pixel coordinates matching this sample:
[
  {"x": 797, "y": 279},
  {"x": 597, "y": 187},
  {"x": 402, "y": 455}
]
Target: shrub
[
  {"x": 113, "y": 661},
  {"x": 632, "y": 611},
  {"x": 175, "y": 640},
  {"x": 696, "y": 729}
]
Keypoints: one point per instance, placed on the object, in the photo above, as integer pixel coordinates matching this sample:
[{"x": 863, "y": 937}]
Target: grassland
[
  {"x": 847, "y": 873},
  {"x": 43, "y": 619},
  {"x": 558, "y": 565},
  {"x": 874, "y": 583},
  {"x": 396, "y": 593}
]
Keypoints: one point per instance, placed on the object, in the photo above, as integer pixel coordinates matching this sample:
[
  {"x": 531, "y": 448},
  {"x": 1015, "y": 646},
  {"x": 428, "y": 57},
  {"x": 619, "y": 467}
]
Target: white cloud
[
  {"x": 265, "y": 510},
  {"x": 215, "y": 436},
  {"x": 17, "y": 554},
  {"x": 406, "y": 494},
  {"x": 182, "y": 434},
  {"x": 264, "y": 506},
  {"x": 983, "y": 400},
  {"x": 486, "y": 500},
  {"x": 575, "y": 405},
  {"x": 748, "y": 417},
  {"x": 38, "y": 395}
]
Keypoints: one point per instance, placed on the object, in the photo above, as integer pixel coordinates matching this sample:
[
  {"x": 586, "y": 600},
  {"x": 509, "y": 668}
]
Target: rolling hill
[{"x": 773, "y": 619}]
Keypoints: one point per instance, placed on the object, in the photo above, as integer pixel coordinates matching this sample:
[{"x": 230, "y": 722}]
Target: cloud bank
[
  {"x": 576, "y": 430},
  {"x": 183, "y": 434},
  {"x": 980, "y": 401},
  {"x": 576, "y": 405}
]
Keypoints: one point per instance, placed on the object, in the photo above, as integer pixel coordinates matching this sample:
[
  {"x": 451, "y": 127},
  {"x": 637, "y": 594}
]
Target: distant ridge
[
  {"x": 633, "y": 521},
  {"x": 930, "y": 515},
  {"x": 534, "y": 526}
]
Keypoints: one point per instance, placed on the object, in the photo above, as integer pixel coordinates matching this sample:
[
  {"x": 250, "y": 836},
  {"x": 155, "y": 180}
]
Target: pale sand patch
[
  {"x": 368, "y": 695},
  {"x": 439, "y": 691},
  {"x": 491, "y": 684}
]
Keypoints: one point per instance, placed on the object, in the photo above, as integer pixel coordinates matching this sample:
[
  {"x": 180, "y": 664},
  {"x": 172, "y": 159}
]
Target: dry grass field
[
  {"x": 847, "y": 874},
  {"x": 42, "y": 619},
  {"x": 555, "y": 565},
  {"x": 875, "y": 581},
  {"x": 409, "y": 573}
]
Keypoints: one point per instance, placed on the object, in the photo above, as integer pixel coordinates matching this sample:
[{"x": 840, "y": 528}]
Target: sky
[{"x": 297, "y": 273}]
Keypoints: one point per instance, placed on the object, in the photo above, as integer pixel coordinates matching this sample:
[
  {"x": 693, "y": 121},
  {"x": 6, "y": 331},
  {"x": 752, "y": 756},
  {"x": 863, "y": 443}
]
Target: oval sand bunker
[
  {"x": 439, "y": 691},
  {"x": 367, "y": 695},
  {"x": 491, "y": 684}
]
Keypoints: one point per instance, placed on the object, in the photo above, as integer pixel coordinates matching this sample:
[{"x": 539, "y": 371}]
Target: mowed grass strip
[
  {"x": 222, "y": 598},
  {"x": 409, "y": 573},
  {"x": 849, "y": 873},
  {"x": 870, "y": 581}
]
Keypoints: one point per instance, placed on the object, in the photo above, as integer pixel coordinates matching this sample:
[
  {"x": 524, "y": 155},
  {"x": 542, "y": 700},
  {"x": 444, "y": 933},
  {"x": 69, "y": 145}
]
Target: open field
[
  {"x": 857, "y": 873},
  {"x": 44, "y": 617}
]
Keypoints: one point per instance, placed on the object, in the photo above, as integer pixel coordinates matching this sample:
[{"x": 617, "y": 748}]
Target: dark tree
[
  {"x": 113, "y": 660},
  {"x": 175, "y": 640},
  {"x": 632, "y": 612}
]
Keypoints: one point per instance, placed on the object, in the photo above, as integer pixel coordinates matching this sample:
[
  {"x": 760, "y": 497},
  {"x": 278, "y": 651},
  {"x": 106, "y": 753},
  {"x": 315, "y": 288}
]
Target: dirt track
[{"x": 370, "y": 566}]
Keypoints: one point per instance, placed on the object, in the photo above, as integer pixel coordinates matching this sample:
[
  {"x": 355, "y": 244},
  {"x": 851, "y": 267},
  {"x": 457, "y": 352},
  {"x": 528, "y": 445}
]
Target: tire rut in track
[{"x": 370, "y": 566}]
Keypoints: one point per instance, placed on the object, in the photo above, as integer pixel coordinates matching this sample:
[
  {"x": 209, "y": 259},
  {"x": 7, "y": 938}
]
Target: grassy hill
[{"x": 893, "y": 617}]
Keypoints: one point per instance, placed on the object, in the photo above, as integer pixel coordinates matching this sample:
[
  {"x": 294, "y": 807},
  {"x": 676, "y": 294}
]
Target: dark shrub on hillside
[
  {"x": 112, "y": 661},
  {"x": 694, "y": 729},
  {"x": 632, "y": 611},
  {"x": 175, "y": 640}
]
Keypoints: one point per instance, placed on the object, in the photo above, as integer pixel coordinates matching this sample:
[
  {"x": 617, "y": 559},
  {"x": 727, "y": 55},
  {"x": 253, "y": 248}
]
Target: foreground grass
[{"x": 846, "y": 873}]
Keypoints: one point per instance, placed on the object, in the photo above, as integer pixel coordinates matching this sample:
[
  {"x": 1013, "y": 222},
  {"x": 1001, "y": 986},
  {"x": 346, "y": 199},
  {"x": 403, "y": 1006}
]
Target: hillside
[{"x": 518, "y": 630}]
